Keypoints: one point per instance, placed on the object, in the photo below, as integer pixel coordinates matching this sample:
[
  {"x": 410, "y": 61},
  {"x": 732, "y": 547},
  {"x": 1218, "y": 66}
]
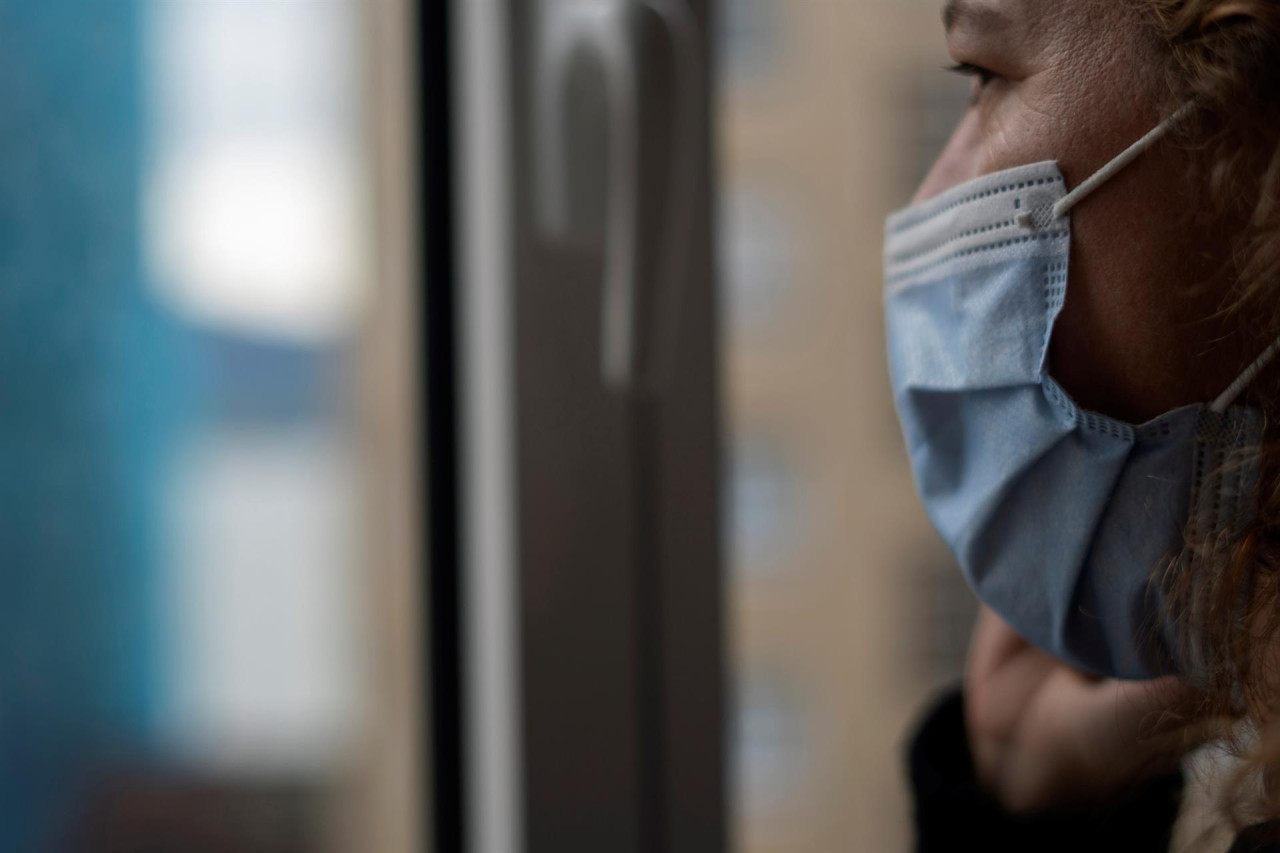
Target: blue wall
[{"x": 86, "y": 378}]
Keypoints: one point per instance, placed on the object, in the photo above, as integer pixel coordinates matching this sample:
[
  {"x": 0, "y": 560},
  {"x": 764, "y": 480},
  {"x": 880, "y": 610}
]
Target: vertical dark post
[
  {"x": 686, "y": 636},
  {"x": 443, "y": 628}
]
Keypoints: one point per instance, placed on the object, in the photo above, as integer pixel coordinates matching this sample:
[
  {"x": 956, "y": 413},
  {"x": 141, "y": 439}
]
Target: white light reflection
[{"x": 255, "y": 201}]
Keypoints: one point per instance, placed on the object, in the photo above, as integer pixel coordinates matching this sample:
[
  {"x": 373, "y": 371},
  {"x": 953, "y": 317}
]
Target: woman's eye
[{"x": 981, "y": 76}]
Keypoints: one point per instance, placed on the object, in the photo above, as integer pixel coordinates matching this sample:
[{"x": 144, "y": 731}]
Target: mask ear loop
[
  {"x": 1064, "y": 205},
  {"x": 1027, "y": 220},
  {"x": 1233, "y": 392}
]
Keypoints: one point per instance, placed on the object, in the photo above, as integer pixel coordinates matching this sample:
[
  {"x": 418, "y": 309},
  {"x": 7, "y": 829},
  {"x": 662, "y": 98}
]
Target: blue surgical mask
[{"x": 1059, "y": 517}]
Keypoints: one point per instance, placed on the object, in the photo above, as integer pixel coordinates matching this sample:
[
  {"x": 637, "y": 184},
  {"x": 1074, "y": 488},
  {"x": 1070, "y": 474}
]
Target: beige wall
[
  {"x": 831, "y": 134},
  {"x": 382, "y": 806}
]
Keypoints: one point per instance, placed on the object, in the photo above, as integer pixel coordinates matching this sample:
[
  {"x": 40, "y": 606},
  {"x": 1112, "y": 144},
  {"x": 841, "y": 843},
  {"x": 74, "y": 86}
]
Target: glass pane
[
  {"x": 846, "y": 611},
  {"x": 197, "y": 642},
  {"x": 253, "y": 233}
]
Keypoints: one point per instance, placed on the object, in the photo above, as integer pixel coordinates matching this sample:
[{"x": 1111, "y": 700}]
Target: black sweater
[{"x": 953, "y": 812}]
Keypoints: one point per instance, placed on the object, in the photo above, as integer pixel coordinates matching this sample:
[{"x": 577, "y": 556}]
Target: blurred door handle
[{"x": 611, "y": 29}]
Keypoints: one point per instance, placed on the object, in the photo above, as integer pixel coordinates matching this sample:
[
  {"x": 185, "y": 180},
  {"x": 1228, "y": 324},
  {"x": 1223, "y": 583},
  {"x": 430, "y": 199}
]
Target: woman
[{"x": 1082, "y": 312}]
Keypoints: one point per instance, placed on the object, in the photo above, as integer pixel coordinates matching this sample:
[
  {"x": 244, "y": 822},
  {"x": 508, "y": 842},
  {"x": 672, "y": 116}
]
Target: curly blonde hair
[{"x": 1225, "y": 56}]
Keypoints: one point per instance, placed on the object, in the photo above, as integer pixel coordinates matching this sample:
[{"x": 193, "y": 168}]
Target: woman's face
[{"x": 1075, "y": 81}]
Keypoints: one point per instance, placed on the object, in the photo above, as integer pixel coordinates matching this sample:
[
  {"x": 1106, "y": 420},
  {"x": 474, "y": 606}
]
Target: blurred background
[
  {"x": 845, "y": 612},
  {"x": 460, "y": 426}
]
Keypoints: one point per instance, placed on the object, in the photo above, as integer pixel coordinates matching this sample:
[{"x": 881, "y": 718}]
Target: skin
[
  {"x": 1074, "y": 81},
  {"x": 1046, "y": 737}
]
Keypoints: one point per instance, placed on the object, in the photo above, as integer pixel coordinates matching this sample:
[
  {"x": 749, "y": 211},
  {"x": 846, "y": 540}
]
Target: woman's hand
[{"x": 1045, "y": 736}]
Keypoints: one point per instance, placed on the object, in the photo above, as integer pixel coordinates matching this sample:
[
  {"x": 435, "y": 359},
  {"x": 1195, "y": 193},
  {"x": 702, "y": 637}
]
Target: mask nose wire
[{"x": 1111, "y": 169}]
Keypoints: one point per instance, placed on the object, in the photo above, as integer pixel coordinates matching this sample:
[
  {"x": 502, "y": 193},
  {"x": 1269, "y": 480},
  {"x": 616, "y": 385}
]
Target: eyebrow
[{"x": 978, "y": 15}]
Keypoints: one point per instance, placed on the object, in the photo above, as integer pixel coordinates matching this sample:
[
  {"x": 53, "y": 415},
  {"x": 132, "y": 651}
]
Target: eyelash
[{"x": 980, "y": 74}]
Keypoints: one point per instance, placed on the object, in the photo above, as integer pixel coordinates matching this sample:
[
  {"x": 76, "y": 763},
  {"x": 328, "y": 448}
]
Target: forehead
[
  {"x": 981, "y": 14},
  {"x": 1030, "y": 14},
  {"x": 1066, "y": 29}
]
